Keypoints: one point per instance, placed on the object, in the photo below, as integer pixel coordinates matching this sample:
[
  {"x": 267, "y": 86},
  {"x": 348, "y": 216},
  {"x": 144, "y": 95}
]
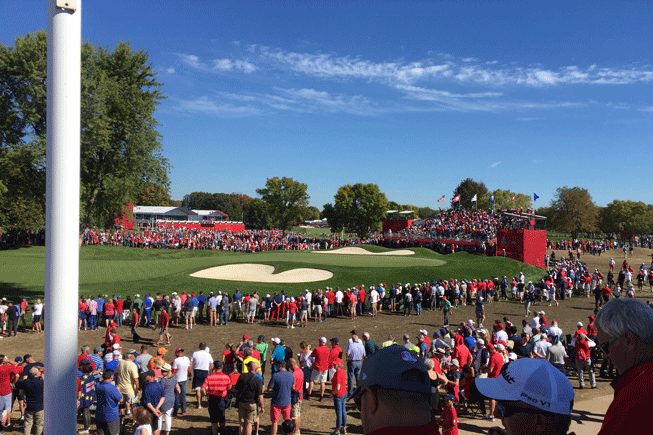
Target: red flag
[
  {"x": 456, "y": 198},
  {"x": 513, "y": 197},
  {"x": 441, "y": 199}
]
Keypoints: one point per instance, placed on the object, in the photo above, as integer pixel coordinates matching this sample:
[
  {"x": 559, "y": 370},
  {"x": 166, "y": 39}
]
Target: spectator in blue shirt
[
  {"x": 107, "y": 415},
  {"x": 278, "y": 355},
  {"x": 153, "y": 395},
  {"x": 281, "y": 385}
]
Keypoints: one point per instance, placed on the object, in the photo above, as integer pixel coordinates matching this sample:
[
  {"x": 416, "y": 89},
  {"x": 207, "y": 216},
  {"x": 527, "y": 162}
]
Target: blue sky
[{"x": 413, "y": 96}]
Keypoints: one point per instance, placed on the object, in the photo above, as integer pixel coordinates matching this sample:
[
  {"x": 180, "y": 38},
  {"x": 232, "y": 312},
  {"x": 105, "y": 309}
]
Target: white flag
[{"x": 474, "y": 198}]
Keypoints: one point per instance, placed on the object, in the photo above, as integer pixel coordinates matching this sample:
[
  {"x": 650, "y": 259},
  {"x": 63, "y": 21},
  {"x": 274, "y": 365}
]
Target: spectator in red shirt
[
  {"x": 583, "y": 360},
  {"x": 320, "y": 368},
  {"x": 164, "y": 322},
  {"x": 334, "y": 354},
  {"x": 339, "y": 394},
  {"x": 7, "y": 371},
  {"x": 216, "y": 386},
  {"x": 449, "y": 420},
  {"x": 493, "y": 370},
  {"x": 298, "y": 374}
]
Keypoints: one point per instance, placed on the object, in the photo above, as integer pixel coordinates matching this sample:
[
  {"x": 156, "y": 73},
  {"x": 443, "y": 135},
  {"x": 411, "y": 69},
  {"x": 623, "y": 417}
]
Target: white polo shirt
[
  {"x": 181, "y": 365},
  {"x": 201, "y": 360}
]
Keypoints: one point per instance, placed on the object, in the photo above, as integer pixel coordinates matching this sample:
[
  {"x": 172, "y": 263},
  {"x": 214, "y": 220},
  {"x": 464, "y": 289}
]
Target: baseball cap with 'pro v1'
[
  {"x": 535, "y": 382},
  {"x": 394, "y": 368}
]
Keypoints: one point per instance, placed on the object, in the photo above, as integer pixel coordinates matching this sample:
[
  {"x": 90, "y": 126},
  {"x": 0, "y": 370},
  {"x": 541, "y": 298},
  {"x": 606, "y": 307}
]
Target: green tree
[
  {"x": 154, "y": 195},
  {"x": 629, "y": 217},
  {"x": 312, "y": 214},
  {"x": 22, "y": 132},
  {"x": 467, "y": 189},
  {"x": 287, "y": 200},
  {"x": 503, "y": 199},
  {"x": 120, "y": 149},
  {"x": 359, "y": 208},
  {"x": 573, "y": 211},
  {"x": 256, "y": 215},
  {"x": 427, "y": 212},
  {"x": 226, "y": 203},
  {"x": 120, "y": 145}
]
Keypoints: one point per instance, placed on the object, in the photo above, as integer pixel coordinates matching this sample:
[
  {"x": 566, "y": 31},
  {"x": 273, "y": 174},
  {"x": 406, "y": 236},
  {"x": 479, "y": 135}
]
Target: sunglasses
[
  {"x": 506, "y": 409},
  {"x": 605, "y": 347}
]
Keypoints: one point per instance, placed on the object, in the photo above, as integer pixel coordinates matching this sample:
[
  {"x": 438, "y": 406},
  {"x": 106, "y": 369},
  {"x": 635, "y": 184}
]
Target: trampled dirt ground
[{"x": 320, "y": 417}]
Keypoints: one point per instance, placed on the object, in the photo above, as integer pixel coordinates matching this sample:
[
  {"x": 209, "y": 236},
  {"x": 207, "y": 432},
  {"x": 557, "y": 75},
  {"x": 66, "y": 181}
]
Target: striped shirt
[{"x": 217, "y": 384}]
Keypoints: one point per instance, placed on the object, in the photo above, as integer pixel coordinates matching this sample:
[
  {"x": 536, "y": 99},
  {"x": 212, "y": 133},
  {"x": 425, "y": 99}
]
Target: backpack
[{"x": 581, "y": 356}]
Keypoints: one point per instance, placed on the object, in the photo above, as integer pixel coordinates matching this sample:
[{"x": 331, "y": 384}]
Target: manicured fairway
[{"x": 124, "y": 271}]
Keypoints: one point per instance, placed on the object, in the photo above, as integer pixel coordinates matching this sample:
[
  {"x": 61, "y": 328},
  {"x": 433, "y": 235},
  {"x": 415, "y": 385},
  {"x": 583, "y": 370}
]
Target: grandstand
[{"x": 515, "y": 234}]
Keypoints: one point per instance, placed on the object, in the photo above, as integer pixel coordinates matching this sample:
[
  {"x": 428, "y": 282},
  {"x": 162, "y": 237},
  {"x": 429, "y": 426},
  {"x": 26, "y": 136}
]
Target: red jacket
[{"x": 633, "y": 395}]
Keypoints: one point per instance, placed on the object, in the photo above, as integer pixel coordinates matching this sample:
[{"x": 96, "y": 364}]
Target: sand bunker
[
  {"x": 262, "y": 273},
  {"x": 361, "y": 251}
]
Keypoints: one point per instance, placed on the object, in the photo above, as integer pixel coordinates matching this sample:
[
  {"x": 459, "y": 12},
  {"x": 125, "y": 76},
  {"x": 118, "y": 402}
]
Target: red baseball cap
[{"x": 245, "y": 337}]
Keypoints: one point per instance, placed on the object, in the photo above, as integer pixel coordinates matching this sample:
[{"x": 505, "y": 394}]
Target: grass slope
[{"x": 127, "y": 271}]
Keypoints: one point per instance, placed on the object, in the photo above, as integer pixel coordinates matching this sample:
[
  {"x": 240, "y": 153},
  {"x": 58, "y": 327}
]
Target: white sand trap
[
  {"x": 262, "y": 273},
  {"x": 361, "y": 251}
]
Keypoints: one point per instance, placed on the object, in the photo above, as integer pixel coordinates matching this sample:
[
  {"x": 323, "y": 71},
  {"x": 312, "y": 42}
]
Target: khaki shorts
[
  {"x": 130, "y": 398},
  {"x": 247, "y": 413},
  {"x": 296, "y": 411},
  {"x": 317, "y": 309},
  {"x": 317, "y": 376}
]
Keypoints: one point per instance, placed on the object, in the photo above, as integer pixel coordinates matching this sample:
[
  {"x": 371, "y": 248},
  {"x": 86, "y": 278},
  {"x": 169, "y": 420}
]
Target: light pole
[{"x": 62, "y": 215}]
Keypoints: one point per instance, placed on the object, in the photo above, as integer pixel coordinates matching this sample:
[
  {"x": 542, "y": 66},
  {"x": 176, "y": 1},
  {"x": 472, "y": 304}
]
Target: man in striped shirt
[{"x": 216, "y": 386}]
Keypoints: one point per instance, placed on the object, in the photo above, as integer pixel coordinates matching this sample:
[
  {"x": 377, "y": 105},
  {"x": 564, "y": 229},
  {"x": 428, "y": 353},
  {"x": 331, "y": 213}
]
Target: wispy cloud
[
  {"x": 217, "y": 65},
  {"x": 212, "y": 106},
  {"x": 494, "y": 165},
  {"x": 437, "y": 83},
  {"x": 646, "y": 109},
  {"x": 304, "y": 100},
  {"x": 170, "y": 70},
  {"x": 471, "y": 71}
]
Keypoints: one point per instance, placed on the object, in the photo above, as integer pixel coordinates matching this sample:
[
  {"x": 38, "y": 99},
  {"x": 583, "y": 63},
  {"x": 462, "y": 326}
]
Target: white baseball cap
[
  {"x": 523, "y": 380},
  {"x": 579, "y": 324}
]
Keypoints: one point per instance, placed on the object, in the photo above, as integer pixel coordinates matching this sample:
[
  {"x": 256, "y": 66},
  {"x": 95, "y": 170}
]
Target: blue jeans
[
  {"x": 224, "y": 317},
  {"x": 418, "y": 308},
  {"x": 180, "y": 399},
  {"x": 119, "y": 319},
  {"x": 446, "y": 317},
  {"x": 341, "y": 411},
  {"x": 353, "y": 371},
  {"x": 92, "y": 321}
]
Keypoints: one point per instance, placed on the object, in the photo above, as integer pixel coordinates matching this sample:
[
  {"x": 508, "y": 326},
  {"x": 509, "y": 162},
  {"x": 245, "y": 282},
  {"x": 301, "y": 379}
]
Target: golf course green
[{"x": 127, "y": 271}]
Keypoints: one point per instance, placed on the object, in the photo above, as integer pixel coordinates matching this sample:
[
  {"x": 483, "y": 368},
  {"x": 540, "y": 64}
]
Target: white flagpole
[{"x": 62, "y": 215}]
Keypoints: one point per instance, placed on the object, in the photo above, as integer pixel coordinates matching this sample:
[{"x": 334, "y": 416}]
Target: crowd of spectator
[
  {"x": 242, "y": 241},
  {"x": 470, "y": 225}
]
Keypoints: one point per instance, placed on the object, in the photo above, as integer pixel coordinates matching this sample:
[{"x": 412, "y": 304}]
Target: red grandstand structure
[{"x": 521, "y": 240}]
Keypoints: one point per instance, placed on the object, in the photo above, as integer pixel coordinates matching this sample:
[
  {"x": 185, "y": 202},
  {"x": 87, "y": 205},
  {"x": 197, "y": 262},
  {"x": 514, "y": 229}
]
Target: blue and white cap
[{"x": 535, "y": 382}]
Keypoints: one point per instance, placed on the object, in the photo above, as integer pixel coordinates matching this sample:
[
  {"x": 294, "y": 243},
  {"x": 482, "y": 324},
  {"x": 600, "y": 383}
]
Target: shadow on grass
[{"x": 15, "y": 292}]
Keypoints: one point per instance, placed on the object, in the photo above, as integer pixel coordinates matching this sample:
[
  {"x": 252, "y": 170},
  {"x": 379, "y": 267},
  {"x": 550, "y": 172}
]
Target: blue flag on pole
[
  {"x": 535, "y": 197},
  {"x": 492, "y": 198}
]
